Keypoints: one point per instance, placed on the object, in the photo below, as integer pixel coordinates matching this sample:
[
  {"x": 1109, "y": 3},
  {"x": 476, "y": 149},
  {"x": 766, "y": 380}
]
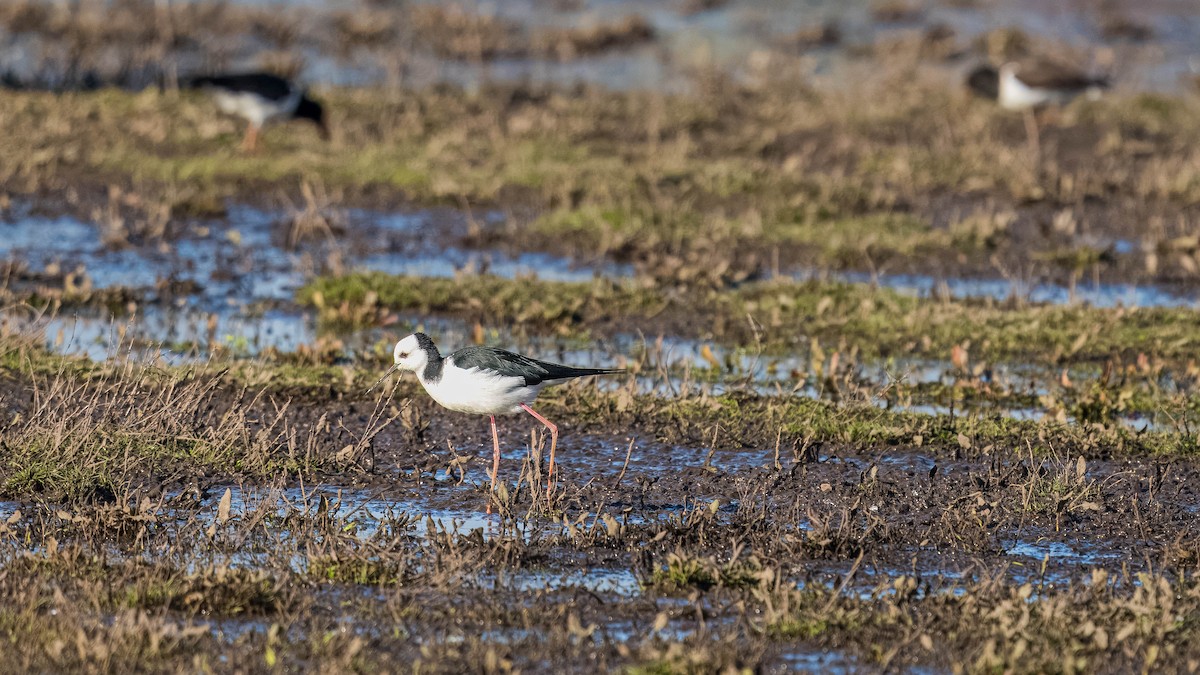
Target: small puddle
[
  {"x": 175, "y": 335},
  {"x": 1058, "y": 562},
  {"x": 819, "y": 661},
  {"x": 1041, "y": 549},
  {"x": 231, "y": 629},
  {"x": 596, "y": 580},
  {"x": 908, "y": 462},
  {"x": 7, "y": 509},
  {"x": 367, "y": 511},
  {"x": 449, "y": 262},
  {"x": 243, "y": 258}
]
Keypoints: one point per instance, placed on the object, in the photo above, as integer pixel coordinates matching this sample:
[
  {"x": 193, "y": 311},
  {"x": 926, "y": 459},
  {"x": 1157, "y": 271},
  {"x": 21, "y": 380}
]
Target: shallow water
[
  {"x": 242, "y": 273},
  {"x": 733, "y": 35},
  {"x": 178, "y": 336},
  {"x": 243, "y": 276},
  {"x": 448, "y": 262},
  {"x": 825, "y": 661},
  {"x": 244, "y": 258},
  {"x": 7, "y": 509},
  {"x": 734, "y": 38},
  {"x": 368, "y": 510},
  {"x": 1042, "y": 549},
  {"x": 1096, "y": 295},
  {"x": 596, "y": 580}
]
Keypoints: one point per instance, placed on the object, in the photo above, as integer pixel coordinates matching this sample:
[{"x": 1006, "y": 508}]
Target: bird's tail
[
  {"x": 567, "y": 372},
  {"x": 602, "y": 371}
]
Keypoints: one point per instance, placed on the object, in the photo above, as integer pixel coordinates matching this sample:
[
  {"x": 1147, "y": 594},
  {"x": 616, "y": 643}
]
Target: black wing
[
  {"x": 514, "y": 365},
  {"x": 270, "y": 87},
  {"x": 1052, "y": 75}
]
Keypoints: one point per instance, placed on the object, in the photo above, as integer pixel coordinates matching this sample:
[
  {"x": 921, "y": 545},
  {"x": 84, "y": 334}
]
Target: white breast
[
  {"x": 1016, "y": 95},
  {"x": 256, "y": 109},
  {"x": 479, "y": 392}
]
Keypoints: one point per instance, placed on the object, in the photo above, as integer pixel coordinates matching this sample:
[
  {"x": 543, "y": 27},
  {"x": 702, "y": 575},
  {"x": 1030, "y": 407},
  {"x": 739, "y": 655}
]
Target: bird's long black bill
[{"x": 385, "y": 376}]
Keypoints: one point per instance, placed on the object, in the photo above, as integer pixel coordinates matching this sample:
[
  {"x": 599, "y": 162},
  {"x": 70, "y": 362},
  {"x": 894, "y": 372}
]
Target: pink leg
[
  {"x": 553, "y": 443},
  {"x": 495, "y": 453},
  {"x": 1033, "y": 134},
  {"x": 250, "y": 140}
]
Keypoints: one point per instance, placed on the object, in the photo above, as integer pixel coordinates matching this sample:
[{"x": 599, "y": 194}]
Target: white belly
[
  {"x": 254, "y": 108},
  {"x": 1016, "y": 95},
  {"x": 471, "y": 391}
]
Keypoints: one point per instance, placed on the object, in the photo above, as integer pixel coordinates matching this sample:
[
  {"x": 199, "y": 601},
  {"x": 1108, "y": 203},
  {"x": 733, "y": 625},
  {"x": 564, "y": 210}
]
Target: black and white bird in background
[
  {"x": 261, "y": 99},
  {"x": 485, "y": 381},
  {"x": 1032, "y": 84}
]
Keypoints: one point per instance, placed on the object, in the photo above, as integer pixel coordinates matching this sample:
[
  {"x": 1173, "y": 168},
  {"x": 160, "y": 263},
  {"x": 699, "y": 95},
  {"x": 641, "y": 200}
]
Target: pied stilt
[
  {"x": 485, "y": 381},
  {"x": 261, "y": 98}
]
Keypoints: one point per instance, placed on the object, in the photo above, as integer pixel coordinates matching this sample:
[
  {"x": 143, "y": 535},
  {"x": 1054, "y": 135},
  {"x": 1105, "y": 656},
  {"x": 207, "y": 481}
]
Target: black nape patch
[
  {"x": 433, "y": 370},
  {"x": 433, "y": 366}
]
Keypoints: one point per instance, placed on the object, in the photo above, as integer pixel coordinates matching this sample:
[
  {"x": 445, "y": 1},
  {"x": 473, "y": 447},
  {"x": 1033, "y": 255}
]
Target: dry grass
[
  {"x": 565, "y": 44},
  {"x": 191, "y": 568},
  {"x": 715, "y": 188},
  {"x": 784, "y": 316},
  {"x": 234, "y": 570},
  {"x": 77, "y": 432},
  {"x": 134, "y": 546},
  {"x": 130, "y": 41}
]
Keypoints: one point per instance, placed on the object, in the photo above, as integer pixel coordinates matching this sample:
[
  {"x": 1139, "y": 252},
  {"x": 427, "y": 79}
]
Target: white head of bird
[{"x": 409, "y": 355}]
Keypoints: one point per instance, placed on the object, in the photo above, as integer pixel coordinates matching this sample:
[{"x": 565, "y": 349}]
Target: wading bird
[
  {"x": 1032, "y": 85},
  {"x": 485, "y": 381},
  {"x": 261, "y": 98}
]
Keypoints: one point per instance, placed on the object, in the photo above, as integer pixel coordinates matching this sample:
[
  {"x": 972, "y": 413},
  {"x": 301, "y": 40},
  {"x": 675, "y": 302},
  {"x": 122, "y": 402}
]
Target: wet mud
[{"x": 902, "y": 393}]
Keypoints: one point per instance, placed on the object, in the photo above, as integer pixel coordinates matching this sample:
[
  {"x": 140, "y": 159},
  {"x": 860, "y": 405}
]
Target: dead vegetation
[
  {"x": 782, "y": 316},
  {"x": 565, "y": 44},
  {"x": 80, "y": 433},
  {"x": 140, "y": 43},
  {"x": 891, "y": 539},
  {"x": 811, "y": 573},
  {"x": 750, "y": 183},
  {"x": 266, "y": 512}
]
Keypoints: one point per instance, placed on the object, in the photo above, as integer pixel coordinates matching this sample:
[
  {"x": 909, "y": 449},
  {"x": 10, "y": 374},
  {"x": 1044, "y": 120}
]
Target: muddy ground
[
  {"x": 901, "y": 394},
  {"x": 319, "y": 527}
]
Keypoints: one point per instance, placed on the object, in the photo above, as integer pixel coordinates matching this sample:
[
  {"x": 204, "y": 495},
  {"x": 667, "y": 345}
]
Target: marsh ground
[{"x": 901, "y": 394}]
